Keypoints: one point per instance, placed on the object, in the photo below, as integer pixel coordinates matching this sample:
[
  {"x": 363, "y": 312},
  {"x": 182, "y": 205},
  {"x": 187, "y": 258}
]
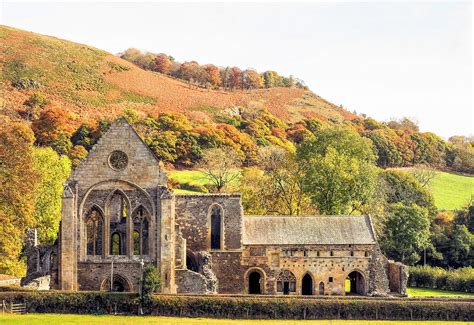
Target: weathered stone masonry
[{"x": 117, "y": 212}]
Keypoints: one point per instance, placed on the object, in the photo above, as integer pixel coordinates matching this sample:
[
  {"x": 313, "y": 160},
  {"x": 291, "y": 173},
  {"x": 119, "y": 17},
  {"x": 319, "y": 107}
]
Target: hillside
[{"x": 92, "y": 84}]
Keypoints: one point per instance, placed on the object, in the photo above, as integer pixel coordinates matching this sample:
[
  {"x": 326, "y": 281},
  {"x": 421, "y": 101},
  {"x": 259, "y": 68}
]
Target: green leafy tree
[
  {"x": 402, "y": 187},
  {"x": 278, "y": 189},
  {"x": 406, "y": 232},
  {"x": 340, "y": 174},
  {"x": 53, "y": 171}
]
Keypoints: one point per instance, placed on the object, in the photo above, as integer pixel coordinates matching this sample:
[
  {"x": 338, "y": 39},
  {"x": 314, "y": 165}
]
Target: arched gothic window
[
  {"x": 116, "y": 244},
  {"x": 118, "y": 210},
  {"x": 94, "y": 232},
  {"x": 216, "y": 227},
  {"x": 286, "y": 282},
  {"x": 140, "y": 232}
]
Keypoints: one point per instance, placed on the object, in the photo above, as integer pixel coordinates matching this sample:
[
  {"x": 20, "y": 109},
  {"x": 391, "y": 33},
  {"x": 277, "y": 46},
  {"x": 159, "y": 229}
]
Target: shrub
[
  {"x": 437, "y": 278},
  {"x": 151, "y": 281},
  {"x": 248, "y": 307}
]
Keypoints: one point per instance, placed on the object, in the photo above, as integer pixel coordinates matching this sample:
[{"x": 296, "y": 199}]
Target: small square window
[{"x": 330, "y": 279}]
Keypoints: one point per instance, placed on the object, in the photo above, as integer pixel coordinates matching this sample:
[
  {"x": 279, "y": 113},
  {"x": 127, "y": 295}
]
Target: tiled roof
[{"x": 287, "y": 230}]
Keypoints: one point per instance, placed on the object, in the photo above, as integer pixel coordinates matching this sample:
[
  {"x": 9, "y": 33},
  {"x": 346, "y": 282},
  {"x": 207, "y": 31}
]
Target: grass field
[
  {"x": 424, "y": 292},
  {"x": 191, "y": 177},
  {"x": 52, "y": 319},
  {"x": 452, "y": 191}
]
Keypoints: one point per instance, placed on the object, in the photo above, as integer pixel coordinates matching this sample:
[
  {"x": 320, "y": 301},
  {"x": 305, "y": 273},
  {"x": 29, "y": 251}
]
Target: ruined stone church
[{"x": 118, "y": 213}]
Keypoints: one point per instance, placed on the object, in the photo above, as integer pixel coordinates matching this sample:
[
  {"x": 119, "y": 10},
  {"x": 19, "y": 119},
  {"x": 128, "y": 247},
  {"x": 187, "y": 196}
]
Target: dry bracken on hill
[{"x": 92, "y": 84}]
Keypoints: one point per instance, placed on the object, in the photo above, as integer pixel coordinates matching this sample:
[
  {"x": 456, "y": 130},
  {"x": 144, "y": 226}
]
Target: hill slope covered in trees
[{"x": 92, "y": 84}]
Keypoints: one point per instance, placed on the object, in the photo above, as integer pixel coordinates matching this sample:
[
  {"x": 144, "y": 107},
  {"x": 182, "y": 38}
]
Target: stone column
[
  {"x": 167, "y": 244},
  {"x": 67, "y": 242}
]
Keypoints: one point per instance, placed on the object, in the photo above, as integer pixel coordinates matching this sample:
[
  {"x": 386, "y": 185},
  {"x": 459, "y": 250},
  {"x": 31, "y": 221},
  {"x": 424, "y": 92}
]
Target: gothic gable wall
[{"x": 143, "y": 168}]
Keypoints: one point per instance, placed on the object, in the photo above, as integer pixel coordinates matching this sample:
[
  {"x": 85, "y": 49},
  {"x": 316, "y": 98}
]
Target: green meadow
[
  {"x": 452, "y": 191},
  {"x": 53, "y": 319},
  {"x": 428, "y": 292}
]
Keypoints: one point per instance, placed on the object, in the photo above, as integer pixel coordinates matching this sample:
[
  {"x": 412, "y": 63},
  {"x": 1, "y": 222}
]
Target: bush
[
  {"x": 437, "y": 278},
  {"x": 151, "y": 282},
  {"x": 246, "y": 307}
]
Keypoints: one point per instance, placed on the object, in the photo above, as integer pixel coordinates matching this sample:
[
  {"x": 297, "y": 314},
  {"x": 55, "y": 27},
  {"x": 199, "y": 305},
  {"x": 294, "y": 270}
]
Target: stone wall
[
  {"x": 397, "y": 277},
  {"x": 378, "y": 273},
  {"x": 193, "y": 217},
  {"x": 327, "y": 264},
  {"x": 96, "y": 276},
  {"x": 191, "y": 282}
]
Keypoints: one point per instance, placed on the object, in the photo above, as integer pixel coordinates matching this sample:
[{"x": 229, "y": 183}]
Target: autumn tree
[
  {"x": 213, "y": 75},
  {"x": 52, "y": 170},
  {"x": 18, "y": 179},
  {"x": 220, "y": 166},
  {"x": 76, "y": 155},
  {"x": 143, "y": 60},
  {"x": 162, "y": 63},
  {"x": 52, "y": 128},
  {"x": 271, "y": 79},
  {"x": 35, "y": 104},
  {"x": 252, "y": 79},
  {"x": 340, "y": 174},
  {"x": 235, "y": 79}
]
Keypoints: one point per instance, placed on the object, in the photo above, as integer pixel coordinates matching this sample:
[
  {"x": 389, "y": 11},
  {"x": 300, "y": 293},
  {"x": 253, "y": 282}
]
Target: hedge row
[
  {"x": 437, "y": 278},
  {"x": 230, "y": 307}
]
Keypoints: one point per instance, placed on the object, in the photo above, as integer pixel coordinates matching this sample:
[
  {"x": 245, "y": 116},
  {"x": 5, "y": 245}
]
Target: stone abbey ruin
[{"x": 118, "y": 212}]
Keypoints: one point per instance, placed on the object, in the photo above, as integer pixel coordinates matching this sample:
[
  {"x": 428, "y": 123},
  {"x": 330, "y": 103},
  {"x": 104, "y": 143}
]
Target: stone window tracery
[
  {"x": 286, "y": 282},
  {"x": 94, "y": 229},
  {"x": 118, "y": 160},
  {"x": 118, "y": 210},
  {"x": 140, "y": 232}
]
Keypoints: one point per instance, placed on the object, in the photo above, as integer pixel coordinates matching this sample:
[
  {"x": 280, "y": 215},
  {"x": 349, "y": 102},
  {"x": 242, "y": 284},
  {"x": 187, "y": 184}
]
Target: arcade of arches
[{"x": 287, "y": 283}]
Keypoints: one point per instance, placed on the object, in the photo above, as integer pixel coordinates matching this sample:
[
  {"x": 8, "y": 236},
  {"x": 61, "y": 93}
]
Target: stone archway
[
  {"x": 307, "y": 285},
  {"x": 355, "y": 283},
  {"x": 119, "y": 284},
  {"x": 255, "y": 283}
]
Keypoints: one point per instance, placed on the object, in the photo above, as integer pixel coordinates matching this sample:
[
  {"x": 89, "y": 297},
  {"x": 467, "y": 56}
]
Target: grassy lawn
[
  {"x": 191, "y": 177},
  {"x": 452, "y": 191},
  {"x": 420, "y": 292},
  {"x": 51, "y": 319}
]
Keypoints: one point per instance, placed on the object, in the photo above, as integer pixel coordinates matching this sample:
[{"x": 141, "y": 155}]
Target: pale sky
[{"x": 384, "y": 59}]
